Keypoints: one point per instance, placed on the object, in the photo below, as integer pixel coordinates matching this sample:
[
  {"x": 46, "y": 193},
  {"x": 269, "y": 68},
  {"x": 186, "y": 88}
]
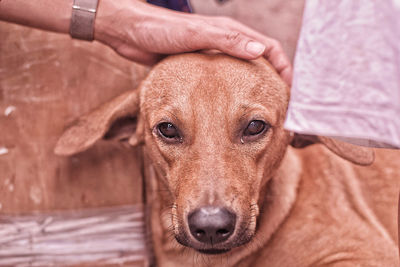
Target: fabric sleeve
[{"x": 346, "y": 80}]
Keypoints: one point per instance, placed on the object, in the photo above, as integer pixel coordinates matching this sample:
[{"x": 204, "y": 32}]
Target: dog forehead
[{"x": 210, "y": 77}]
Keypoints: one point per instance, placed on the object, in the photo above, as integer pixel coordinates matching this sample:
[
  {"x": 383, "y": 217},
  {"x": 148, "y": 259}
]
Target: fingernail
[{"x": 255, "y": 48}]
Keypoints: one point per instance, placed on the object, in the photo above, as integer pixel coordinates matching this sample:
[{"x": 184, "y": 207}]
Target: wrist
[
  {"x": 109, "y": 12},
  {"x": 121, "y": 21}
]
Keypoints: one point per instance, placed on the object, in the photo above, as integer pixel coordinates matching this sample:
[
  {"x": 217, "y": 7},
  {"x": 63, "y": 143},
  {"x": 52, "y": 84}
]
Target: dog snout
[{"x": 211, "y": 225}]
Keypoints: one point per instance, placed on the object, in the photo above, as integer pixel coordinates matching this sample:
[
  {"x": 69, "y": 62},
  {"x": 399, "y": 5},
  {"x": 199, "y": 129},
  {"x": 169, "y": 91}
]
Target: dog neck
[{"x": 280, "y": 194}]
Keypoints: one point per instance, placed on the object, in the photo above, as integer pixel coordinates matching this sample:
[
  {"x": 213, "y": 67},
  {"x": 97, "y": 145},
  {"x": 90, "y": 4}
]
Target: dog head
[{"x": 213, "y": 127}]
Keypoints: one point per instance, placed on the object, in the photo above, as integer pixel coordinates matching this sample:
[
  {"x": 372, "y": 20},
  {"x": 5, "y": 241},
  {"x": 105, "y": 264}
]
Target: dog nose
[{"x": 211, "y": 225}]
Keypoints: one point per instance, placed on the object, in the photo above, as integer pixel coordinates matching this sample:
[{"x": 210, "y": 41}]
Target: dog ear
[
  {"x": 356, "y": 154},
  {"x": 116, "y": 119}
]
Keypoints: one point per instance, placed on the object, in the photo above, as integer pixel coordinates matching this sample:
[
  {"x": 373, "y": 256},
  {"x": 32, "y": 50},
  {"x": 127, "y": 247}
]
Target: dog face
[
  {"x": 213, "y": 127},
  {"x": 216, "y": 135}
]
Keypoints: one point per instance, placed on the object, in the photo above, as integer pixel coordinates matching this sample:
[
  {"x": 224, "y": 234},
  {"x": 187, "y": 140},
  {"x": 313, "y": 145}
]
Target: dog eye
[
  {"x": 168, "y": 130},
  {"x": 254, "y": 128}
]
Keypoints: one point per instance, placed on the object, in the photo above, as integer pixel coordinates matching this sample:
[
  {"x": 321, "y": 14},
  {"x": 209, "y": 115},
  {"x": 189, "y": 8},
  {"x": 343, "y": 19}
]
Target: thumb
[
  {"x": 230, "y": 42},
  {"x": 254, "y": 48},
  {"x": 239, "y": 45}
]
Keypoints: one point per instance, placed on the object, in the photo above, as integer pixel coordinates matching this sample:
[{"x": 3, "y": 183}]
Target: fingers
[
  {"x": 237, "y": 44},
  {"x": 230, "y": 42},
  {"x": 211, "y": 35},
  {"x": 191, "y": 33},
  {"x": 287, "y": 75},
  {"x": 273, "y": 51}
]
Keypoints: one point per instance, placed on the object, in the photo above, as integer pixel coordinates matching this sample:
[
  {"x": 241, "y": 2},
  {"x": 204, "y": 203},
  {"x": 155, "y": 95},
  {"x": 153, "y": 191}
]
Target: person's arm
[
  {"x": 51, "y": 15},
  {"x": 144, "y": 33}
]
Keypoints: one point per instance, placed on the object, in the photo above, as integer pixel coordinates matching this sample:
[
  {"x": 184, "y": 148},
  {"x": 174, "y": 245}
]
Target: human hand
[{"x": 145, "y": 33}]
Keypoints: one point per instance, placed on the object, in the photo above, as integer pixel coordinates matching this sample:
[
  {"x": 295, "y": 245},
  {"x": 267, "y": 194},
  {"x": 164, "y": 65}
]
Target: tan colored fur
[{"x": 294, "y": 207}]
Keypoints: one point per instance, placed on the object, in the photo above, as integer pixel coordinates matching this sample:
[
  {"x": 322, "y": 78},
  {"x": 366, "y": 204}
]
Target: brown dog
[{"x": 224, "y": 185}]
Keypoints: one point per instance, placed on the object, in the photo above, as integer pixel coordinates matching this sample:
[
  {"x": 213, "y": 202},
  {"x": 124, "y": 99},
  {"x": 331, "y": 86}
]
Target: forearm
[
  {"x": 51, "y": 15},
  {"x": 55, "y": 15}
]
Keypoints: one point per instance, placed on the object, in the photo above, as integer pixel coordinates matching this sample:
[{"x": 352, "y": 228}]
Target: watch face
[{"x": 178, "y": 5}]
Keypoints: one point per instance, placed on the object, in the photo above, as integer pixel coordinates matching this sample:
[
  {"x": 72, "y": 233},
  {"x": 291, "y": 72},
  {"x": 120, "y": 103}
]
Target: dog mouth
[
  {"x": 213, "y": 251},
  {"x": 185, "y": 241}
]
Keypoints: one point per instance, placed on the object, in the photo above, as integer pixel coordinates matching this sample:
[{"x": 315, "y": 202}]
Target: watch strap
[{"x": 82, "y": 19}]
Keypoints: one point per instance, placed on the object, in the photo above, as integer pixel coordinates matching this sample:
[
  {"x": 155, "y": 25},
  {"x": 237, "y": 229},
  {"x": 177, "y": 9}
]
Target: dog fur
[{"x": 299, "y": 200}]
